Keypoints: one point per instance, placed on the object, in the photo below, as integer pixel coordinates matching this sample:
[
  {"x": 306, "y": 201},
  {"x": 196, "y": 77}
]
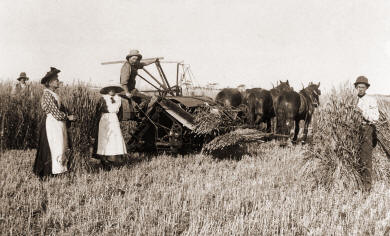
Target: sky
[{"x": 233, "y": 42}]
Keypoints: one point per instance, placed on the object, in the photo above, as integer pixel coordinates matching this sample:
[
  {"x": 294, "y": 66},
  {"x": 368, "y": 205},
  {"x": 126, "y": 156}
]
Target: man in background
[
  {"x": 21, "y": 87},
  {"x": 368, "y": 106}
]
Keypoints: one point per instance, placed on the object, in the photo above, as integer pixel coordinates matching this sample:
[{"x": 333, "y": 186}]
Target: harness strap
[{"x": 303, "y": 105}]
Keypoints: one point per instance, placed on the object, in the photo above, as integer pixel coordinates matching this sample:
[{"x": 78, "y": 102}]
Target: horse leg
[
  {"x": 283, "y": 126},
  {"x": 259, "y": 114},
  {"x": 252, "y": 116},
  {"x": 306, "y": 129},
  {"x": 279, "y": 125},
  {"x": 269, "y": 126},
  {"x": 252, "y": 119},
  {"x": 273, "y": 124},
  {"x": 258, "y": 120},
  {"x": 280, "y": 129},
  {"x": 296, "y": 131}
]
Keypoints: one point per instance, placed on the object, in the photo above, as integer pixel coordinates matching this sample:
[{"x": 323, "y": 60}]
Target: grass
[{"x": 262, "y": 194}]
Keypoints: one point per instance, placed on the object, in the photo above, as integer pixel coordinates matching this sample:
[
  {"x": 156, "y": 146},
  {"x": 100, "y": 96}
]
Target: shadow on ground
[{"x": 130, "y": 160}]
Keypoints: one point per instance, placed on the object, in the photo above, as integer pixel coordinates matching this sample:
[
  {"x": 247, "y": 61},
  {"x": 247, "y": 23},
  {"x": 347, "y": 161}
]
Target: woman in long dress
[
  {"x": 53, "y": 141},
  {"x": 110, "y": 143}
]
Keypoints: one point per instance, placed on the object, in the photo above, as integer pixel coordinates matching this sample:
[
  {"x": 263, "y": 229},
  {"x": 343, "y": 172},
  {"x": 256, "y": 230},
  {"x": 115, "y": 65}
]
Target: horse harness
[{"x": 307, "y": 103}]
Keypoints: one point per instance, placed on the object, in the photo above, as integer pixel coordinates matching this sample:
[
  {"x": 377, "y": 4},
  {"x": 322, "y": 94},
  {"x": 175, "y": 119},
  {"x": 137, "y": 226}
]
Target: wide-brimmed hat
[
  {"x": 116, "y": 87},
  {"x": 22, "y": 76},
  {"x": 362, "y": 80},
  {"x": 134, "y": 53},
  {"x": 53, "y": 72}
]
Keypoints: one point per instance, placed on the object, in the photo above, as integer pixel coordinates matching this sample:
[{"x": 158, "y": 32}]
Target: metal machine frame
[{"x": 168, "y": 121}]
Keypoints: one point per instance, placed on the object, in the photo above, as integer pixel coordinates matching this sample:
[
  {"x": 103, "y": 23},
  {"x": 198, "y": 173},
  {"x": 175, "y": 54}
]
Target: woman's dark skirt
[{"x": 42, "y": 164}]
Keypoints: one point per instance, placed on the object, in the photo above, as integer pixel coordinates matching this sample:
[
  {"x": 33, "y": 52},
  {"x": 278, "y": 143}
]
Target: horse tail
[
  {"x": 284, "y": 121},
  {"x": 280, "y": 115},
  {"x": 258, "y": 110},
  {"x": 251, "y": 109}
]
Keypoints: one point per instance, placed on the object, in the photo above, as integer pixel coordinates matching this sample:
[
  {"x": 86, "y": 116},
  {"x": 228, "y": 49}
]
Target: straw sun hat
[{"x": 111, "y": 86}]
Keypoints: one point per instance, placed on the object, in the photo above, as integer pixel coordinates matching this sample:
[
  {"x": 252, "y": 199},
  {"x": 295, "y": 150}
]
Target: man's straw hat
[
  {"x": 134, "y": 53},
  {"x": 22, "y": 76},
  {"x": 362, "y": 80}
]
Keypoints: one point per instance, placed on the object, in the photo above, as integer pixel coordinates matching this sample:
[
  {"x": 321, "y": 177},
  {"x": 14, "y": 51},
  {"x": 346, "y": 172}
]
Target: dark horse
[
  {"x": 293, "y": 107},
  {"x": 230, "y": 97},
  {"x": 276, "y": 91},
  {"x": 281, "y": 87},
  {"x": 260, "y": 106}
]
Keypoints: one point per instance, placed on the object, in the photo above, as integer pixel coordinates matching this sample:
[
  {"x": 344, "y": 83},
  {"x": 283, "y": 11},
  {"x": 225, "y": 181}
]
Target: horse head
[
  {"x": 284, "y": 86},
  {"x": 280, "y": 87},
  {"x": 314, "y": 92}
]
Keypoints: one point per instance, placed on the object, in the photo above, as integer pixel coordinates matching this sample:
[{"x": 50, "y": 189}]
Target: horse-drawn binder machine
[{"x": 167, "y": 120}]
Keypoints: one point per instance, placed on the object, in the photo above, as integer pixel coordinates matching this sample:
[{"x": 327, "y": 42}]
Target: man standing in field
[
  {"x": 21, "y": 87},
  {"x": 129, "y": 71},
  {"x": 369, "y": 108}
]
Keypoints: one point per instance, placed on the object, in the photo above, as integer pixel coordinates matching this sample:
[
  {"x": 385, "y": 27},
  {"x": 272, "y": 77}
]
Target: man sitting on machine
[{"x": 129, "y": 71}]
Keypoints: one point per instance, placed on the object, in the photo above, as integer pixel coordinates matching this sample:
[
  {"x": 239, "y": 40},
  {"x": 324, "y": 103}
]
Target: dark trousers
[{"x": 366, "y": 156}]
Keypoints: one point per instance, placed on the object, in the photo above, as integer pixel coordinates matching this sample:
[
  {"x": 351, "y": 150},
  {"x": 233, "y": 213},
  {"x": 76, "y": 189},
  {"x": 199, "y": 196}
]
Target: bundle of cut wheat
[
  {"x": 213, "y": 121},
  {"x": 383, "y": 127},
  {"x": 333, "y": 160},
  {"x": 234, "y": 143}
]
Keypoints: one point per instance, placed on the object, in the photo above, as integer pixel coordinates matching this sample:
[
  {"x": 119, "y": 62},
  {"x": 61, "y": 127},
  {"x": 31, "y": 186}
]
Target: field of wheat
[{"x": 293, "y": 190}]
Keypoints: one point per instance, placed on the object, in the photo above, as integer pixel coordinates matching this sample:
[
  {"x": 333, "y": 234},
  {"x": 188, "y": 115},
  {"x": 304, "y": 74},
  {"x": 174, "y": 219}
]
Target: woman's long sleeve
[{"x": 50, "y": 107}]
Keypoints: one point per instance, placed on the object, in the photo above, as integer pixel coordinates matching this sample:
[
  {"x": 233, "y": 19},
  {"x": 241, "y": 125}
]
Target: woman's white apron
[
  {"x": 57, "y": 138},
  {"x": 110, "y": 140}
]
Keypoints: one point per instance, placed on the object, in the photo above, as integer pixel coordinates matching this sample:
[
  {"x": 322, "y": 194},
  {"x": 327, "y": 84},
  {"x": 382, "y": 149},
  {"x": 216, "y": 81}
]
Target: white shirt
[
  {"x": 113, "y": 107},
  {"x": 369, "y": 107}
]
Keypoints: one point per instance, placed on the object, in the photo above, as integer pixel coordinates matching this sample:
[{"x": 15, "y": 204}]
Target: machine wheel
[{"x": 176, "y": 137}]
